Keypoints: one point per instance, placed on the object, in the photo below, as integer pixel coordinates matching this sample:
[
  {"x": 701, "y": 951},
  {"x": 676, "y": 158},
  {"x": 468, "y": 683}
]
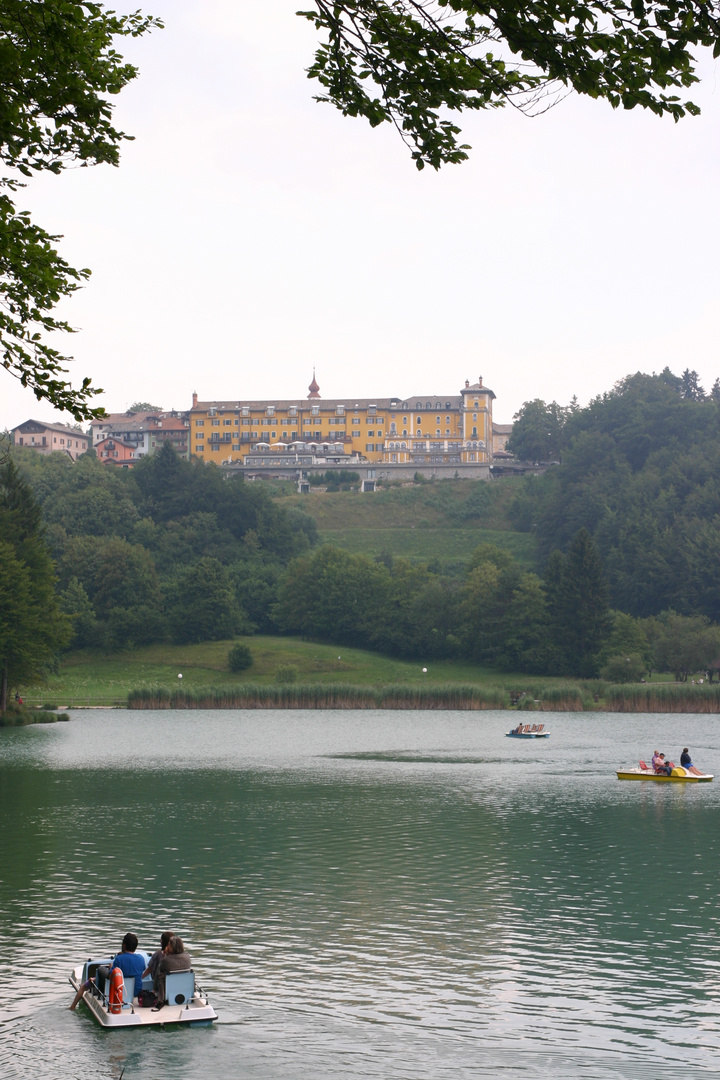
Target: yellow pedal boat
[{"x": 677, "y": 776}]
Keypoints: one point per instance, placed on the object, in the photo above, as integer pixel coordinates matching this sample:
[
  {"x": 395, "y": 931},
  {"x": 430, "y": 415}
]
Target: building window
[
  {"x": 200, "y": 435},
  {"x": 404, "y": 419},
  {"x": 215, "y": 423},
  {"x": 246, "y": 422},
  {"x": 199, "y": 448},
  {"x": 227, "y": 423}
]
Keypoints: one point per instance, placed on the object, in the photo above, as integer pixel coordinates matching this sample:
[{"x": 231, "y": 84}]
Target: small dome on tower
[{"x": 313, "y": 387}]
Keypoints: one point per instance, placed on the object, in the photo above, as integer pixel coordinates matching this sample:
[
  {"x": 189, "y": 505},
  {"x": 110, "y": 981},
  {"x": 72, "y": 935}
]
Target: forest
[{"x": 625, "y": 530}]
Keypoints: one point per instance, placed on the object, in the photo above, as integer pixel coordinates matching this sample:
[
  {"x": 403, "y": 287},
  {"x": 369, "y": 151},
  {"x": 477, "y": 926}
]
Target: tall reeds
[
  {"x": 663, "y": 698},
  {"x": 321, "y": 696},
  {"x": 590, "y": 697}
]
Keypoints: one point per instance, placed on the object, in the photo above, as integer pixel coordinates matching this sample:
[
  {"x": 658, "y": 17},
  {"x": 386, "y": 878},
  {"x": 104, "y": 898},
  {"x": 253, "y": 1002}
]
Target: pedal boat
[
  {"x": 677, "y": 776},
  {"x": 186, "y": 1004},
  {"x": 529, "y": 731}
]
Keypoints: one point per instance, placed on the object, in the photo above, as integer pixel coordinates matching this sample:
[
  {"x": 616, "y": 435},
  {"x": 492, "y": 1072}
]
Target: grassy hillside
[
  {"x": 91, "y": 679},
  {"x": 446, "y": 519}
]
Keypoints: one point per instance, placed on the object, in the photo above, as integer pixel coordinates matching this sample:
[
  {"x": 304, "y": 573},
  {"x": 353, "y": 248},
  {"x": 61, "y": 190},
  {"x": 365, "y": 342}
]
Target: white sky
[{"x": 250, "y": 234}]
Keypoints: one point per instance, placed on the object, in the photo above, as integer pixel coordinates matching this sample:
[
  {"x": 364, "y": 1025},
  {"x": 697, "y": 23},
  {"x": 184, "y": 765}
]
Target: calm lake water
[{"x": 370, "y": 894}]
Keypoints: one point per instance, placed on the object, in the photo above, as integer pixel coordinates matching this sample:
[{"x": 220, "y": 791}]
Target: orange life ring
[{"x": 117, "y": 986}]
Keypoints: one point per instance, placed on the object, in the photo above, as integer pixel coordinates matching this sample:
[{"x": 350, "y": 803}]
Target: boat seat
[
  {"x": 179, "y": 987},
  {"x": 644, "y": 766},
  {"x": 128, "y": 990}
]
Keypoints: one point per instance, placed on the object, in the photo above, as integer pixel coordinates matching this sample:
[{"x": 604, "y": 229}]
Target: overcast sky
[{"x": 251, "y": 234}]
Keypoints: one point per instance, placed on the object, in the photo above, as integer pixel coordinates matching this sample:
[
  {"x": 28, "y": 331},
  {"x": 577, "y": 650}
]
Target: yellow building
[{"x": 420, "y": 428}]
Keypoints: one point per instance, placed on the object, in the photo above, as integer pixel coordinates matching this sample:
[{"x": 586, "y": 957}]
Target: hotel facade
[{"x": 419, "y": 429}]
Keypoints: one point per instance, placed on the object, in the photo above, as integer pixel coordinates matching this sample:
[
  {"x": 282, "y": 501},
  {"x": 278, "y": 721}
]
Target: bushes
[{"x": 239, "y": 657}]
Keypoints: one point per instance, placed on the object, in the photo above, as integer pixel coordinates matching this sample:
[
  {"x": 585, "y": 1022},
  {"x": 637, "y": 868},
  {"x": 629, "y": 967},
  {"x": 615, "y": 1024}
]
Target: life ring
[{"x": 117, "y": 986}]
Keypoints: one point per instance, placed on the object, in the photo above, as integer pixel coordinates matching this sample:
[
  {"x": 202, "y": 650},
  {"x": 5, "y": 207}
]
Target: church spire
[{"x": 314, "y": 388}]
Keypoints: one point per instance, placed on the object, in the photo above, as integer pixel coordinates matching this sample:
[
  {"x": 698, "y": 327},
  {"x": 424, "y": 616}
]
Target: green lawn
[{"x": 89, "y": 678}]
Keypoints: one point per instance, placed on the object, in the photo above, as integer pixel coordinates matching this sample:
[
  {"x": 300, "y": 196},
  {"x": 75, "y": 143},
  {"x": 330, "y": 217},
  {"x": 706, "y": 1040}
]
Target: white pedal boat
[{"x": 187, "y": 1003}]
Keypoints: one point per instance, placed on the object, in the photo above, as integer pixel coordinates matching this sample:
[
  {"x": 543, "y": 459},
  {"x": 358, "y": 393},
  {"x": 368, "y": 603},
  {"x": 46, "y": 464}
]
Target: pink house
[
  {"x": 51, "y": 438},
  {"x": 112, "y": 451}
]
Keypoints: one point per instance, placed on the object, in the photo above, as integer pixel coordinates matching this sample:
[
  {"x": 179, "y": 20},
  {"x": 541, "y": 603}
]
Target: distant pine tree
[{"x": 578, "y": 603}]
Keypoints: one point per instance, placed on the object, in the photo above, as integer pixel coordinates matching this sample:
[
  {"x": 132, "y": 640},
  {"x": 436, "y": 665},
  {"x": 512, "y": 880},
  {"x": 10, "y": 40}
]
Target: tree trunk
[{"x": 3, "y": 689}]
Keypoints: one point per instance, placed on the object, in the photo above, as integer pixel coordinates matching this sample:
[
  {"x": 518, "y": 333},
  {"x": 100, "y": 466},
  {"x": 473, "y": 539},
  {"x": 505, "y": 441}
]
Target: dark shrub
[{"x": 239, "y": 657}]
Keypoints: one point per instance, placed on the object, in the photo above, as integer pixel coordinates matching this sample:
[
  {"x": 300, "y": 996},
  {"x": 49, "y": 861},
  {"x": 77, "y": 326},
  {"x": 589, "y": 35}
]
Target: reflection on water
[{"x": 366, "y": 895}]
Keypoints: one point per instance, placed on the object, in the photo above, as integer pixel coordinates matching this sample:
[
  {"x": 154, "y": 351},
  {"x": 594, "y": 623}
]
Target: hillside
[{"x": 446, "y": 520}]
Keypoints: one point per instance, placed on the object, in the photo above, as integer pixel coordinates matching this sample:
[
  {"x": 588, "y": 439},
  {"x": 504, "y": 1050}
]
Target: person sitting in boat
[
  {"x": 663, "y": 767},
  {"x": 157, "y": 956},
  {"x": 128, "y": 961},
  {"x": 173, "y": 959},
  {"x": 687, "y": 764}
]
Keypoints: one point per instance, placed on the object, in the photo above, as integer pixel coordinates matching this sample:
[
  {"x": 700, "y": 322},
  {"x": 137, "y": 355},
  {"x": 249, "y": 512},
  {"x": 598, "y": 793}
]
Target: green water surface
[{"x": 366, "y": 894}]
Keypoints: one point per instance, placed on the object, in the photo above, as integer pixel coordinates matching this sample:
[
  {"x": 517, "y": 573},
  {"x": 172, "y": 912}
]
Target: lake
[{"x": 366, "y": 894}]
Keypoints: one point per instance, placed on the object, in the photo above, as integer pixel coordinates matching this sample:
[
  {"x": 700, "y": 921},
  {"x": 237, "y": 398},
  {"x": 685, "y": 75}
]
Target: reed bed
[
  {"x": 663, "y": 698},
  {"x": 562, "y": 698},
  {"x": 321, "y": 696}
]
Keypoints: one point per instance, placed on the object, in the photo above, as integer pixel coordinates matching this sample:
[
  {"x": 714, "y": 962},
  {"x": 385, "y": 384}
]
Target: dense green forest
[
  {"x": 625, "y": 530},
  {"x": 172, "y": 549},
  {"x": 640, "y": 468}
]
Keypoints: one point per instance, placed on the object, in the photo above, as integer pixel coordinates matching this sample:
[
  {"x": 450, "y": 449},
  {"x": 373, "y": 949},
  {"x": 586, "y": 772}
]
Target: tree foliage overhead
[
  {"x": 59, "y": 71},
  {"x": 407, "y": 61}
]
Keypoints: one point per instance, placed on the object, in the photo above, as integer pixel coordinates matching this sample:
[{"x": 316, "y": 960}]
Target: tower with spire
[{"x": 314, "y": 388}]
